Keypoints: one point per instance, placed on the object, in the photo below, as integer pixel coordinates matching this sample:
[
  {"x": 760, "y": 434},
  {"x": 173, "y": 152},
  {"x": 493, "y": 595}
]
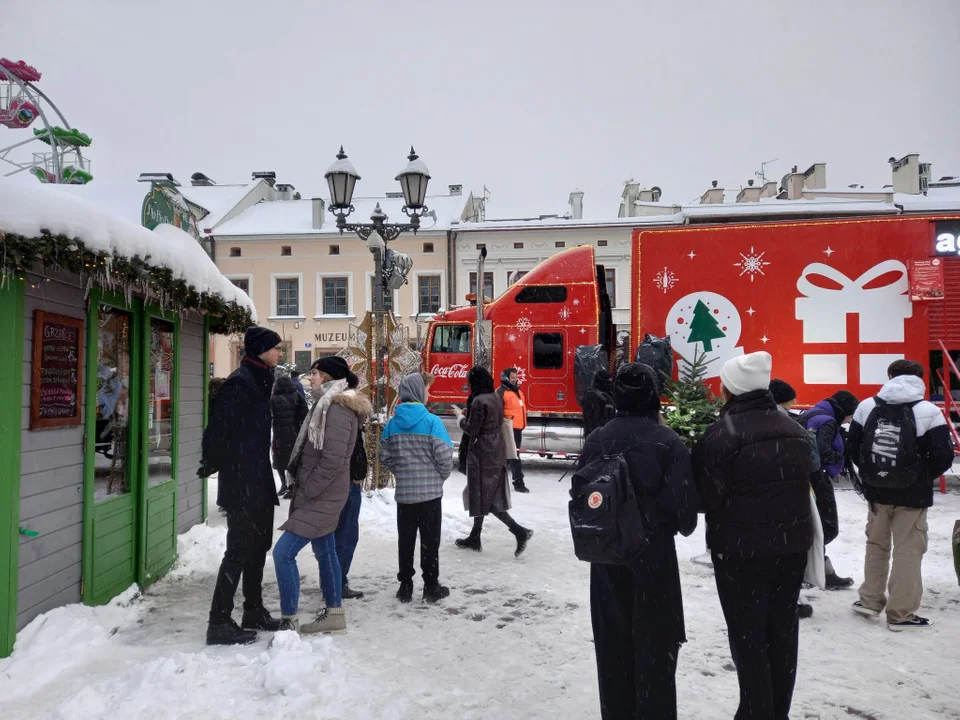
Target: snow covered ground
[{"x": 512, "y": 641}]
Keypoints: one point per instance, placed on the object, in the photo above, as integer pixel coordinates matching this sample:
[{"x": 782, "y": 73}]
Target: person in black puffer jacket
[
  {"x": 597, "y": 403},
  {"x": 289, "y": 411},
  {"x": 752, "y": 469},
  {"x": 637, "y": 609}
]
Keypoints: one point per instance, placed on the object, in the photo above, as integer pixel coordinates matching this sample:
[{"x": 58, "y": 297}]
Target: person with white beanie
[{"x": 752, "y": 469}]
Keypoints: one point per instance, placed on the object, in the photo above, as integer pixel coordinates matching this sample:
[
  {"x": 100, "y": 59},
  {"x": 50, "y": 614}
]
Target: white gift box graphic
[{"x": 882, "y": 311}]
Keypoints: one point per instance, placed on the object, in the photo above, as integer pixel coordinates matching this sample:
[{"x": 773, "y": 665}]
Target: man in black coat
[
  {"x": 289, "y": 411},
  {"x": 236, "y": 444},
  {"x": 597, "y": 403},
  {"x": 752, "y": 469},
  {"x": 637, "y": 609}
]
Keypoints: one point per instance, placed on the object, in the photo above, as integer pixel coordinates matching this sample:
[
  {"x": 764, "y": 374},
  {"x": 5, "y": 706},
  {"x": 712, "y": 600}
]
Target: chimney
[
  {"x": 318, "y": 207},
  {"x": 576, "y": 204},
  {"x": 713, "y": 196},
  {"x": 791, "y": 187},
  {"x": 815, "y": 177},
  {"x": 907, "y": 174},
  {"x": 198, "y": 179},
  {"x": 749, "y": 193},
  {"x": 455, "y": 189},
  {"x": 650, "y": 196},
  {"x": 268, "y": 175},
  {"x": 285, "y": 191},
  {"x": 768, "y": 190},
  {"x": 630, "y": 191}
]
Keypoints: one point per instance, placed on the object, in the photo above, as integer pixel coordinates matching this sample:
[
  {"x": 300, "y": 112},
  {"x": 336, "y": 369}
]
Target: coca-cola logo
[{"x": 457, "y": 370}]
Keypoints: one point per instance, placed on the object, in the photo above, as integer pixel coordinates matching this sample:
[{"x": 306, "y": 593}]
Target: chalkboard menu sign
[{"x": 56, "y": 388}]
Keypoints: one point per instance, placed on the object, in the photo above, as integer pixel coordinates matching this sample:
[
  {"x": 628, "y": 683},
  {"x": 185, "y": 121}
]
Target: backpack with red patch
[
  {"x": 606, "y": 520},
  {"x": 889, "y": 455}
]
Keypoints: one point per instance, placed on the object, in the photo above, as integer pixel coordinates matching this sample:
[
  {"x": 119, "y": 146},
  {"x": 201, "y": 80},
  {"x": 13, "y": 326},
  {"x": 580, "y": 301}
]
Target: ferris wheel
[{"x": 21, "y": 104}]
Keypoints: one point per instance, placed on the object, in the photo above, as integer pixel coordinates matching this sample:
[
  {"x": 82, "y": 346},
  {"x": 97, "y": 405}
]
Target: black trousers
[
  {"x": 826, "y": 505},
  {"x": 249, "y": 537},
  {"x": 759, "y": 599},
  {"x": 424, "y": 518},
  {"x": 516, "y": 467}
]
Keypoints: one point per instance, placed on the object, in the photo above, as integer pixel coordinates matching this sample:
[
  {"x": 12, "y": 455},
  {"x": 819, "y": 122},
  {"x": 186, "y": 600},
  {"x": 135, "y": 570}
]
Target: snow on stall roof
[
  {"x": 29, "y": 209},
  {"x": 217, "y": 200},
  {"x": 295, "y": 217}
]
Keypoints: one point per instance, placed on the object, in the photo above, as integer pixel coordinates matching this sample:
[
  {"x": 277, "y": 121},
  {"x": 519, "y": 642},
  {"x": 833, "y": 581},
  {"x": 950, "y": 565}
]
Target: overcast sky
[{"x": 528, "y": 97}]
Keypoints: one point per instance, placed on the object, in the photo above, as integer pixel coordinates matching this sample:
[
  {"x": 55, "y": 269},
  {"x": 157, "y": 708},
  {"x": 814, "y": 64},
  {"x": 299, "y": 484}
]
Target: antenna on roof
[{"x": 762, "y": 172}]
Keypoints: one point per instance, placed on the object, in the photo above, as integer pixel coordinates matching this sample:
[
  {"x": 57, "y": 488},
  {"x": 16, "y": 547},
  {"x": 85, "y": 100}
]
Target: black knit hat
[
  {"x": 636, "y": 391},
  {"x": 334, "y": 366},
  {"x": 782, "y": 391},
  {"x": 846, "y": 401},
  {"x": 258, "y": 340}
]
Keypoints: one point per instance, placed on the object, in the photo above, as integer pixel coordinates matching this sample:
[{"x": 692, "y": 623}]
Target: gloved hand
[{"x": 205, "y": 471}]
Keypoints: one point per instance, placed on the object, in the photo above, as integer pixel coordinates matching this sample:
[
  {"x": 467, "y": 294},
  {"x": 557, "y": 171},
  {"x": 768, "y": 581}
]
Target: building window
[
  {"x": 514, "y": 276},
  {"x": 429, "y": 294},
  {"x": 559, "y": 243},
  {"x": 542, "y": 294},
  {"x": 451, "y": 339},
  {"x": 611, "y": 278},
  {"x": 335, "y": 296},
  {"x": 288, "y": 297},
  {"x": 235, "y": 252},
  {"x": 601, "y": 243},
  {"x": 285, "y": 250},
  {"x": 334, "y": 249},
  {"x": 481, "y": 246},
  {"x": 548, "y": 351},
  {"x": 387, "y": 295},
  {"x": 487, "y": 285},
  {"x": 243, "y": 284},
  {"x": 428, "y": 247},
  {"x": 518, "y": 246}
]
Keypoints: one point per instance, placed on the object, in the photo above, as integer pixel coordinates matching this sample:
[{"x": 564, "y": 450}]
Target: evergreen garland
[
  {"x": 692, "y": 406},
  {"x": 19, "y": 254}
]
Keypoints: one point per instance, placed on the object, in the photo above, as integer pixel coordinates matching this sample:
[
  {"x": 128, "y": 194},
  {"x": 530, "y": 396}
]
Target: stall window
[
  {"x": 548, "y": 351},
  {"x": 113, "y": 405},
  {"x": 542, "y": 294},
  {"x": 160, "y": 448},
  {"x": 452, "y": 339}
]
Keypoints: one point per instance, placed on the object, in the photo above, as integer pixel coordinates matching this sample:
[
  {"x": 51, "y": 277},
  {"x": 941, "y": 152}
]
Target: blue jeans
[
  {"x": 288, "y": 574},
  {"x": 348, "y": 531}
]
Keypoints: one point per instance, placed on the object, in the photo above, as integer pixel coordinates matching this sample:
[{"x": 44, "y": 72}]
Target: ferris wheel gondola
[{"x": 21, "y": 105}]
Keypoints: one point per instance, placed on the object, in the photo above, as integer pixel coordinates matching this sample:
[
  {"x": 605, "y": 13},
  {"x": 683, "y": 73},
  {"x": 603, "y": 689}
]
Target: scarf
[
  {"x": 315, "y": 424},
  {"x": 507, "y": 385}
]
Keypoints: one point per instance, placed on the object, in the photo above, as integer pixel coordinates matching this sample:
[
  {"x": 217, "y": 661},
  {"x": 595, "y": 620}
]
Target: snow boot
[
  {"x": 229, "y": 633},
  {"x": 804, "y": 610},
  {"x": 435, "y": 593},
  {"x": 523, "y": 536},
  {"x": 914, "y": 623},
  {"x": 405, "y": 593},
  {"x": 835, "y": 582},
  {"x": 470, "y": 542},
  {"x": 349, "y": 593},
  {"x": 259, "y": 619},
  {"x": 289, "y": 622},
  {"x": 520, "y": 487},
  {"x": 329, "y": 621}
]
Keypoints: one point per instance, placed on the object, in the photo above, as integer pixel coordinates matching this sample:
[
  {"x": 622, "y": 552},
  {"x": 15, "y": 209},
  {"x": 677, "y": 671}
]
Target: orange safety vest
[{"x": 514, "y": 407}]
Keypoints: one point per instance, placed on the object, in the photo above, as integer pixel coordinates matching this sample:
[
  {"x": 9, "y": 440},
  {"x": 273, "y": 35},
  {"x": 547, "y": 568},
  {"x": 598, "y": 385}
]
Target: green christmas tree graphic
[{"x": 704, "y": 328}]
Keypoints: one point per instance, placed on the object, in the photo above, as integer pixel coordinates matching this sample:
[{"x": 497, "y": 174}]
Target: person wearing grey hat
[{"x": 236, "y": 443}]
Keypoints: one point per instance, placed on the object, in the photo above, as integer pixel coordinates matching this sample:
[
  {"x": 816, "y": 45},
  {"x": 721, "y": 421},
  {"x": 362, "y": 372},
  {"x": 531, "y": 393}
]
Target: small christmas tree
[
  {"x": 692, "y": 406},
  {"x": 704, "y": 328}
]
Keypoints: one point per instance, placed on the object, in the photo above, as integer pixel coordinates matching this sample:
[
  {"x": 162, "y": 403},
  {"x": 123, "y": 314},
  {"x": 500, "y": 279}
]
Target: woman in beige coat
[{"x": 320, "y": 470}]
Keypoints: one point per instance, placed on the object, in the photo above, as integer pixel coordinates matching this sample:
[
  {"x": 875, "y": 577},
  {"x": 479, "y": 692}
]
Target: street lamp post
[{"x": 390, "y": 268}]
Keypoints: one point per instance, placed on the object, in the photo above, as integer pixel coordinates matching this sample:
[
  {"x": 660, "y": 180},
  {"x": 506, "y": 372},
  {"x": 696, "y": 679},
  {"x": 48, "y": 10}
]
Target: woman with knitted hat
[{"x": 320, "y": 477}]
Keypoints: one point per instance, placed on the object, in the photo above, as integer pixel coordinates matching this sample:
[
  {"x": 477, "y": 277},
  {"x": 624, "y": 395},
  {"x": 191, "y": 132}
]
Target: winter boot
[
  {"x": 329, "y": 621},
  {"x": 289, "y": 622},
  {"x": 405, "y": 593},
  {"x": 835, "y": 582},
  {"x": 349, "y": 593},
  {"x": 523, "y": 536},
  {"x": 520, "y": 487},
  {"x": 229, "y": 633},
  {"x": 470, "y": 542},
  {"x": 804, "y": 611},
  {"x": 259, "y": 619},
  {"x": 435, "y": 593}
]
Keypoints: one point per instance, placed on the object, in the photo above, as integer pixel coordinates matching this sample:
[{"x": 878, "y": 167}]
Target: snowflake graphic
[
  {"x": 511, "y": 337},
  {"x": 565, "y": 313},
  {"x": 524, "y": 324},
  {"x": 665, "y": 279},
  {"x": 576, "y": 301},
  {"x": 752, "y": 264},
  {"x": 521, "y": 376}
]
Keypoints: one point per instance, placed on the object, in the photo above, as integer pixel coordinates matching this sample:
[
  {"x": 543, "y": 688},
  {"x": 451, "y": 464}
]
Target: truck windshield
[{"x": 451, "y": 339}]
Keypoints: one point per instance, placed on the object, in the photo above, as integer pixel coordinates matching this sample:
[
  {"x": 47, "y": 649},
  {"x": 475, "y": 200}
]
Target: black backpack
[
  {"x": 358, "y": 461},
  {"x": 889, "y": 456},
  {"x": 605, "y": 515}
]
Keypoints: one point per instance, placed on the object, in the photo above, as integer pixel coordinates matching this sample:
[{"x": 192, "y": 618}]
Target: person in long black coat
[
  {"x": 236, "y": 444},
  {"x": 597, "y": 403},
  {"x": 289, "y": 411},
  {"x": 637, "y": 609},
  {"x": 752, "y": 469}
]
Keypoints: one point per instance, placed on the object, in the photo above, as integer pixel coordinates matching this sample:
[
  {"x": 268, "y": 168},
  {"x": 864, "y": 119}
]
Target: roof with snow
[
  {"x": 217, "y": 200},
  {"x": 31, "y": 210},
  {"x": 295, "y": 217}
]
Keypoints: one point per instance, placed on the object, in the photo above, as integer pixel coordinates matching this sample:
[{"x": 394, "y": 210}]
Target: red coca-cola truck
[{"x": 834, "y": 300}]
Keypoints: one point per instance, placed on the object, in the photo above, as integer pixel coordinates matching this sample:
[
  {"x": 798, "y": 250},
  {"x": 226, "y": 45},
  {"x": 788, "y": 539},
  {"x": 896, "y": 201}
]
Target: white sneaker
[{"x": 860, "y": 608}]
